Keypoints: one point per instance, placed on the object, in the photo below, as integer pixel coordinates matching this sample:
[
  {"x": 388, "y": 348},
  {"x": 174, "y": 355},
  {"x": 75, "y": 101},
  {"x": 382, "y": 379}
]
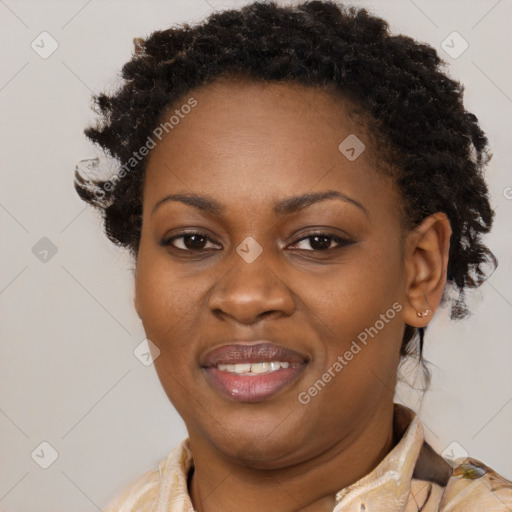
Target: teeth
[
  {"x": 253, "y": 368},
  {"x": 259, "y": 367},
  {"x": 242, "y": 368}
]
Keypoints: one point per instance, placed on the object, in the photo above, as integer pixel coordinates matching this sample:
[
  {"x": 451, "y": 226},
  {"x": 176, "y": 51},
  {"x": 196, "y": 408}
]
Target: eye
[
  {"x": 191, "y": 242},
  {"x": 197, "y": 241},
  {"x": 322, "y": 241}
]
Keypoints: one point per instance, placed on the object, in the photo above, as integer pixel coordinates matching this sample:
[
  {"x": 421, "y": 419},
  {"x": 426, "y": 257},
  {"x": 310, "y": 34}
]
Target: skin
[{"x": 248, "y": 145}]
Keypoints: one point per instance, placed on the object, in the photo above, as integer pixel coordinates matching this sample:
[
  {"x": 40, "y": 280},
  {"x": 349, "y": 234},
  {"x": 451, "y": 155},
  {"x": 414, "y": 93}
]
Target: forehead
[
  {"x": 251, "y": 138},
  {"x": 251, "y": 104}
]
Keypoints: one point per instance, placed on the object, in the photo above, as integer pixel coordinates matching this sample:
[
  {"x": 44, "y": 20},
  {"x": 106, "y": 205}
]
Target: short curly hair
[{"x": 435, "y": 147}]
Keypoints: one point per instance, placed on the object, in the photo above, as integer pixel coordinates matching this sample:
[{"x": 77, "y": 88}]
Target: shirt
[{"x": 411, "y": 478}]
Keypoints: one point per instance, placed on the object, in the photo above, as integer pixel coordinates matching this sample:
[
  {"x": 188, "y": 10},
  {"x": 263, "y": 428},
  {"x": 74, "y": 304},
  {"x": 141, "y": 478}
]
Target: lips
[
  {"x": 249, "y": 372},
  {"x": 252, "y": 353}
]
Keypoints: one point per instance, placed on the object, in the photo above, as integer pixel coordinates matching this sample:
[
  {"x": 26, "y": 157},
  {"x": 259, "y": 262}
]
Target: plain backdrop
[{"x": 68, "y": 329}]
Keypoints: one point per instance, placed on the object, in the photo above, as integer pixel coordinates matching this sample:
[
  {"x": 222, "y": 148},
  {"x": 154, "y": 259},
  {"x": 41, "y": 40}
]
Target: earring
[{"x": 424, "y": 314}]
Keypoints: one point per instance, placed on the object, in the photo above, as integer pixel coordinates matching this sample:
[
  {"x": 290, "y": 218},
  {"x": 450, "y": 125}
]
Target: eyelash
[{"x": 342, "y": 242}]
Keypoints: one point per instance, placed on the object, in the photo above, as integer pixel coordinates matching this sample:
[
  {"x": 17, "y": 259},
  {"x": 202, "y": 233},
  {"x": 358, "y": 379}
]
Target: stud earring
[{"x": 424, "y": 313}]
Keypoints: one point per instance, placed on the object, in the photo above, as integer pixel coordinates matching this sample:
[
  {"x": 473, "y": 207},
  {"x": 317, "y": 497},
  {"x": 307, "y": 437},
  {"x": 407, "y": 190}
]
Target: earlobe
[{"x": 426, "y": 260}]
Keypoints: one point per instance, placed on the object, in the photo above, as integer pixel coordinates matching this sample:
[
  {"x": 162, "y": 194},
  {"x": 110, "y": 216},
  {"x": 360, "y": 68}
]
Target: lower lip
[{"x": 247, "y": 388}]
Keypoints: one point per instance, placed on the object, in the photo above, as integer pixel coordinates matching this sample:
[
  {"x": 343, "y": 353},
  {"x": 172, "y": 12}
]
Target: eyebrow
[{"x": 282, "y": 207}]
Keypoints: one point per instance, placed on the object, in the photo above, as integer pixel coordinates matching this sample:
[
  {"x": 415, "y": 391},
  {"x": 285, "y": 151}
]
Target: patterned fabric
[{"x": 411, "y": 478}]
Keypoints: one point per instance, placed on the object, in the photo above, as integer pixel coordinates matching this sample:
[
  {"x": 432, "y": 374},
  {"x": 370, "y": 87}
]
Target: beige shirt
[{"x": 411, "y": 478}]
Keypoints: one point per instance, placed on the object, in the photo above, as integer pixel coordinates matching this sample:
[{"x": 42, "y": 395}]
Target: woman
[{"x": 300, "y": 190}]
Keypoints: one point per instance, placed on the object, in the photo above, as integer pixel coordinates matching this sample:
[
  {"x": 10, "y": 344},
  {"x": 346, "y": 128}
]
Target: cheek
[
  {"x": 352, "y": 296},
  {"x": 165, "y": 307},
  {"x": 163, "y": 296},
  {"x": 162, "y": 306},
  {"x": 359, "y": 311}
]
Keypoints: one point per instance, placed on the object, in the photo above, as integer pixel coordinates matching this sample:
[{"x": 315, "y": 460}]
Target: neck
[{"x": 220, "y": 484}]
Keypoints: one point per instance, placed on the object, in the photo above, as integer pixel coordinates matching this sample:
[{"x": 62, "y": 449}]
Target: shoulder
[
  {"x": 165, "y": 483},
  {"x": 474, "y": 487}
]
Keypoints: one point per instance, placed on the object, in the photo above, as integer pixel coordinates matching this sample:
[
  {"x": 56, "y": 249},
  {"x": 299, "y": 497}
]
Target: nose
[{"x": 251, "y": 291}]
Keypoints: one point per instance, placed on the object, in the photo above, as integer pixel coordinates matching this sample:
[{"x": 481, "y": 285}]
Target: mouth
[{"x": 252, "y": 372}]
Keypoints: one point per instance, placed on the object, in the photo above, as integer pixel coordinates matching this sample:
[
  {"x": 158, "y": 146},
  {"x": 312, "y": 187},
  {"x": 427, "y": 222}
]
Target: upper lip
[{"x": 251, "y": 352}]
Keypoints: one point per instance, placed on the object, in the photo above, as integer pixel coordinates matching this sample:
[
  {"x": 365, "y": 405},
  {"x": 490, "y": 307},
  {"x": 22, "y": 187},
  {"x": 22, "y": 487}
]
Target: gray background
[{"x": 68, "y": 329}]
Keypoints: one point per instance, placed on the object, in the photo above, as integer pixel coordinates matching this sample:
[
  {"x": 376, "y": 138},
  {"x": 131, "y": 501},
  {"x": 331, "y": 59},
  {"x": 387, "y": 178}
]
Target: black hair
[{"x": 434, "y": 147}]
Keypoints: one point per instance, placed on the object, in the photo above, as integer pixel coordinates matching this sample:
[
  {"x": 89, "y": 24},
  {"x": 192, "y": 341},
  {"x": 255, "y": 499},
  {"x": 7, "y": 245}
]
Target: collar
[{"x": 387, "y": 486}]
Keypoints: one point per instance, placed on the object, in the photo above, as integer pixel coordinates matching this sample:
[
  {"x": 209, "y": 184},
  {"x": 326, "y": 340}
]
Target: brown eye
[
  {"x": 322, "y": 242},
  {"x": 192, "y": 242}
]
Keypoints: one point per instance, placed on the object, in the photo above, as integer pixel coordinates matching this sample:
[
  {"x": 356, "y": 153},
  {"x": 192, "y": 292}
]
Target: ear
[{"x": 426, "y": 262}]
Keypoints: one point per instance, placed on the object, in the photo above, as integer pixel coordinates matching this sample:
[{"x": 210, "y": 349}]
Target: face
[{"x": 285, "y": 259}]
